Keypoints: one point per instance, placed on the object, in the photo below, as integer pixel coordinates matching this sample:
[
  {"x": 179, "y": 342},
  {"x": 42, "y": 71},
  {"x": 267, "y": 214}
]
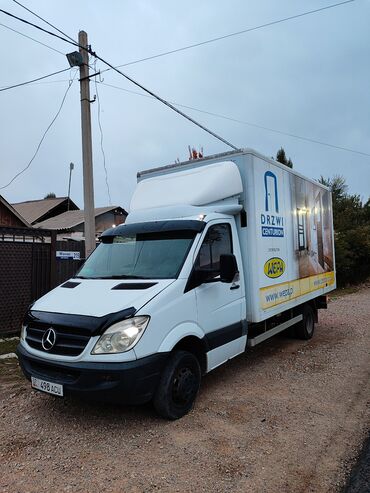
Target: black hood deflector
[{"x": 84, "y": 324}]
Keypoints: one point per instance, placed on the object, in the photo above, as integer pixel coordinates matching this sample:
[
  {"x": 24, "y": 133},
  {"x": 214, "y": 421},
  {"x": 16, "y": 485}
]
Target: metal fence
[
  {"x": 67, "y": 267},
  {"x": 29, "y": 268}
]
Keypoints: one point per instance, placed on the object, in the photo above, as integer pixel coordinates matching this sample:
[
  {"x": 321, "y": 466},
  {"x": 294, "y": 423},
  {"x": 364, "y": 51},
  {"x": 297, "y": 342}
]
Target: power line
[
  {"x": 33, "y": 39},
  {"x": 33, "y": 80},
  {"x": 41, "y": 18},
  {"x": 212, "y": 40},
  {"x": 243, "y": 122},
  {"x": 237, "y": 33},
  {"x": 169, "y": 105},
  {"x": 101, "y": 143},
  {"x": 43, "y": 136},
  {"x": 51, "y": 82},
  {"x": 197, "y": 44},
  {"x": 39, "y": 28}
]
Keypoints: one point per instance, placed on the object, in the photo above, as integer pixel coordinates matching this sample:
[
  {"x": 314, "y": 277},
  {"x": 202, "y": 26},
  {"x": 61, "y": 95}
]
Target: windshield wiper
[
  {"x": 121, "y": 276},
  {"x": 127, "y": 276}
]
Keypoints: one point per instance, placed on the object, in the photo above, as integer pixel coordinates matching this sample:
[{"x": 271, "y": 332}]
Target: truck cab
[{"x": 152, "y": 295}]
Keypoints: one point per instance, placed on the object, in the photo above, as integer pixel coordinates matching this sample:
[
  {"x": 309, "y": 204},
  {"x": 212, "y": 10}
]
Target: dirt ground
[{"x": 288, "y": 416}]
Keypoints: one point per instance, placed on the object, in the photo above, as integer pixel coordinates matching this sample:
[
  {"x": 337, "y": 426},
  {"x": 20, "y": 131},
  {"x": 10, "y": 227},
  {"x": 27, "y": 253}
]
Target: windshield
[{"x": 158, "y": 255}]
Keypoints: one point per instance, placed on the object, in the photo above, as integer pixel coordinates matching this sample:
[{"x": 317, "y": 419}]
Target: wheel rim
[
  {"x": 309, "y": 324},
  {"x": 184, "y": 387}
]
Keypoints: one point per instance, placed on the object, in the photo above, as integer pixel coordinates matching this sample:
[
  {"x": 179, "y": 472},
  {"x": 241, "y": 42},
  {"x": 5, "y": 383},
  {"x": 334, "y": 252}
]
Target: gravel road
[{"x": 288, "y": 416}]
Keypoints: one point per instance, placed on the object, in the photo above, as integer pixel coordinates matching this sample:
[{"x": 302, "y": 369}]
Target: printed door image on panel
[{"x": 318, "y": 224}]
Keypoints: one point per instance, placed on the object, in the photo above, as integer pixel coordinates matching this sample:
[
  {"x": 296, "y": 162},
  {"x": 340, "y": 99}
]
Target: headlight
[
  {"x": 121, "y": 336},
  {"x": 23, "y": 333}
]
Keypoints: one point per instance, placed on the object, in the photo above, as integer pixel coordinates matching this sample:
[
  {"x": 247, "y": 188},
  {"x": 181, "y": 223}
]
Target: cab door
[{"x": 220, "y": 305}]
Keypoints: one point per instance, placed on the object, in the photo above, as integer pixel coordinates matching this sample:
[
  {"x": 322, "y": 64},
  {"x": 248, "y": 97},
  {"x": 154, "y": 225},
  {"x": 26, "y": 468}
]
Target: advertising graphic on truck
[
  {"x": 296, "y": 238},
  {"x": 217, "y": 255}
]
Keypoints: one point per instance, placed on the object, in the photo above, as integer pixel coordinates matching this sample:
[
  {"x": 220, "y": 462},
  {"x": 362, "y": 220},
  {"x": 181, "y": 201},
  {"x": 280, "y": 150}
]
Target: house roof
[
  {"x": 71, "y": 219},
  {"x": 33, "y": 210},
  {"x": 15, "y": 212}
]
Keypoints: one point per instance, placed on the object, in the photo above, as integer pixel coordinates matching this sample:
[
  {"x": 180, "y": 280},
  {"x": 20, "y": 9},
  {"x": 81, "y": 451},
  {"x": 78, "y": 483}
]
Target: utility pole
[
  {"x": 87, "y": 161},
  {"x": 71, "y": 166}
]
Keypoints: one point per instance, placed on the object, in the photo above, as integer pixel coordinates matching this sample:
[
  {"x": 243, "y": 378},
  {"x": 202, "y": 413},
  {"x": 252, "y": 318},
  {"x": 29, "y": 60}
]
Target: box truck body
[
  {"x": 216, "y": 254},
  {"x": 287, "y": 243}
]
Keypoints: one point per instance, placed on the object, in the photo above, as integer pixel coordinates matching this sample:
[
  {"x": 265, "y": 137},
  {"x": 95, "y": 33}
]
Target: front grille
[
  {"x": 69, "y": 341},
  {"x": 53, "y": 372}
]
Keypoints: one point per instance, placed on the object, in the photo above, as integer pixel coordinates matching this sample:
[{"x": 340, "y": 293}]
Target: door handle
[{"x": 235, "y": 286}]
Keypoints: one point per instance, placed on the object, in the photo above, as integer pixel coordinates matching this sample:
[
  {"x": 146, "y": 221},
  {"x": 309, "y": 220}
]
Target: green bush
[{"x": 351, "y": 233}]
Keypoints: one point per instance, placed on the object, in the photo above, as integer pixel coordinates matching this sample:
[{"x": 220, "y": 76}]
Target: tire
[
  {"x": 178, "y": 386},
  {"x": 305, "y": 329}
]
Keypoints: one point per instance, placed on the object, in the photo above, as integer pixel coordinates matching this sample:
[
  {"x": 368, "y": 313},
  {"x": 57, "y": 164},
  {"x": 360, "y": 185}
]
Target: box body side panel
[{"x": 293, "y": 233}]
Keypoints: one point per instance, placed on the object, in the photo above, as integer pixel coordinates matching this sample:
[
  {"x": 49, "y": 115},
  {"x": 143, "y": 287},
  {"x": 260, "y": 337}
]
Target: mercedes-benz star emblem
[{"x": 48, "y": 339}]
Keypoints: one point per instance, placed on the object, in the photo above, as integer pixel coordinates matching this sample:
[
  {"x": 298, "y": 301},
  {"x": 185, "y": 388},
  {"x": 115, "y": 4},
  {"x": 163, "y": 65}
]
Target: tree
[
  {"x": 351, "y": 232},
  {"x": 50, "y": 195},
  {"x": 281, "y": 158},
  {"x": 337, "y": 185},
  {"x": 367, "y": 211}
]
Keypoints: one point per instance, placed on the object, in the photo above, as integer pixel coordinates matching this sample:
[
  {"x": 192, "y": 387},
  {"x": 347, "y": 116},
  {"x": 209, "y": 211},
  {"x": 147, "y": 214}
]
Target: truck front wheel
[
  {"x": 305, "y": 328},
  {"x": 178, "y": 385}
]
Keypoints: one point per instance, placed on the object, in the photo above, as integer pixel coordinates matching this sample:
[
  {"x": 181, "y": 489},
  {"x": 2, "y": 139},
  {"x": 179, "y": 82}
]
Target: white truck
[{"x": 217, "y": 254}]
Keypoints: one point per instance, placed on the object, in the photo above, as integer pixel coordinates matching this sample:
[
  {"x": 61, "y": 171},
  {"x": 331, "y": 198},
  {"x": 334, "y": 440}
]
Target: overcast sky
[{"x": 309, "y": 76}]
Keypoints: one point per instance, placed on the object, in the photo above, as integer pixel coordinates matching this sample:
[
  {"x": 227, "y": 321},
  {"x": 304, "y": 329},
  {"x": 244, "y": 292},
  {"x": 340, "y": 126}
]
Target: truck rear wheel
[
  {"x": 178, "y": 386},
  {"x": 306, "y": 327}
]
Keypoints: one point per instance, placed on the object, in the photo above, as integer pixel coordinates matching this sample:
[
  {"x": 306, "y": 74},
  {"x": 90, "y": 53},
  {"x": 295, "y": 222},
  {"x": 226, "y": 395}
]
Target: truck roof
[{"x": 223, "y": 155}]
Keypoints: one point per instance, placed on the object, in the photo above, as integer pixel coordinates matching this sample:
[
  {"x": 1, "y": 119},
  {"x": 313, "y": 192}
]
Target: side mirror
[{"x": 228, "y": 267}]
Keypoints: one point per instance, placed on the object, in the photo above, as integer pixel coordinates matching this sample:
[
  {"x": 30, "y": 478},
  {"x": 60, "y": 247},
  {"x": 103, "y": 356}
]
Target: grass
[
  {"x": 8, "y": 346},
  {"x": 339, "y": 292},
  {"x": 9, "y": 369}
]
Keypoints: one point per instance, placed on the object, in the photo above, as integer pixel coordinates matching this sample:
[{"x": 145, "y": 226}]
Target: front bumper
[{"x": 132, "y": 382}]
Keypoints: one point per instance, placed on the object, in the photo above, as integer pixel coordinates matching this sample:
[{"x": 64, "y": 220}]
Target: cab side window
[{"x": 216, "y": 242}]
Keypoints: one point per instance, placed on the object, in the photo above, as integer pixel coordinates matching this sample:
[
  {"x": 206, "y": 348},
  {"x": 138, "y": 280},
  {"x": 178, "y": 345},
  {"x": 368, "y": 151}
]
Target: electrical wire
[
  {"x": 243, "y": 122},
  {"x": 43, "y": 136},
  {"x": 128, "y": 78},
  {"x": 33, "y": 39},
  {"x": 237, "y": 33},
  {"x": 101, "y": 143},
  {"x": 33, "y": 80},
  {"x": 151, "y": 93},
  {"x": 44, "y": 20},
  {"x": 51, "y": 82},
  {"x": 41, "y": 28},
  {"x": 168, "y": 104},
  {"x": 194, "y": 45}
]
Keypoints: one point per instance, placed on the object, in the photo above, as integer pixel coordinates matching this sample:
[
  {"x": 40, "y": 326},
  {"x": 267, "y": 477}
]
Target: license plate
[{"x": 49, "y": 387}]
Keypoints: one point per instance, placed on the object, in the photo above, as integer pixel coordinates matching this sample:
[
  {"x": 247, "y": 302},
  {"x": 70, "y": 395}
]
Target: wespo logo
[
  {"x": 274, "y": 267},
  {"x": 272, "y": 224}
]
